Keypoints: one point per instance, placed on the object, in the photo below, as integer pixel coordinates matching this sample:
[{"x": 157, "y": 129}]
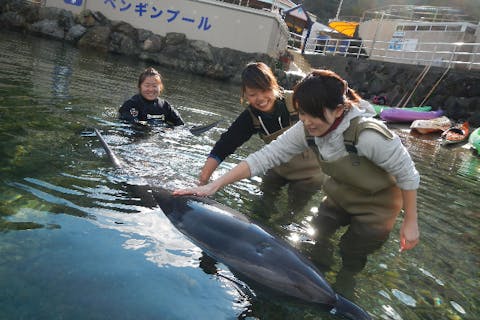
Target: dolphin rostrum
[{"x": 249, "y": 250}]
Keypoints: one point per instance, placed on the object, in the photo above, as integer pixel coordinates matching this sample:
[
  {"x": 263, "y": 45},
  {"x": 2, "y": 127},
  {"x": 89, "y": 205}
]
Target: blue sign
[{"x": 77, "y": 3}]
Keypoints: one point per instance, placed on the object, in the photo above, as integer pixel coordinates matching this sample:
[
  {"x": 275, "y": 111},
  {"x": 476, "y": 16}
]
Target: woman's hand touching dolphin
[
  {"x": 239, "y": 172},
  {"x": 202, "y": 191}
]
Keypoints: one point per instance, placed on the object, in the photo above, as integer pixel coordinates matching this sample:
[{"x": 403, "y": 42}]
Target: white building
[
  {"x": 221, "y": 24},
  {"x": 424, "y": 35}
]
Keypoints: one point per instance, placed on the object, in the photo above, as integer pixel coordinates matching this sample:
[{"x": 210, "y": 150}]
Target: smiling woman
[
  {"x": 268, "y": 113},
  {"x": 147, "y": 104}
]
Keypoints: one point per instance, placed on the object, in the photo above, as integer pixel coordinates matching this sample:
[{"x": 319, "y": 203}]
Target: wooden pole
[
  {"x": 435, "y": 85},
  {"x": 419, "y": 78}
]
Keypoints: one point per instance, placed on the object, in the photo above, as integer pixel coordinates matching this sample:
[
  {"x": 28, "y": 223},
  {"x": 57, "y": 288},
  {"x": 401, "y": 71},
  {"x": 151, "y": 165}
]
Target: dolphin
[{"x": 249, "y": 250}]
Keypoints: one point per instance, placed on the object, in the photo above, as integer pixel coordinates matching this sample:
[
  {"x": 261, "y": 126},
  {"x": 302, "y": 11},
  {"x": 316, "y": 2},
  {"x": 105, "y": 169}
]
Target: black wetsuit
[
  {"x": 139, "y": 109},
  {"x": 243, "y": 128}
]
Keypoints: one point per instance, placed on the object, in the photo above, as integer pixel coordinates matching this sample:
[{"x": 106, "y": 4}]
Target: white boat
[{"x": 439, "y": 124}]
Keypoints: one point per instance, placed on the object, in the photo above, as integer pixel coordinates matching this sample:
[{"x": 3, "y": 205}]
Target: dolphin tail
[
  {"x": 349, "y": 310},
  {"x": 109, "y": 151}
]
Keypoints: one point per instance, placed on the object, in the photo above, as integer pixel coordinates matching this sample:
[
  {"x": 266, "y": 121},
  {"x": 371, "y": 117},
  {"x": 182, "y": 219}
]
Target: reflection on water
[{"x": 75, "y": 243}]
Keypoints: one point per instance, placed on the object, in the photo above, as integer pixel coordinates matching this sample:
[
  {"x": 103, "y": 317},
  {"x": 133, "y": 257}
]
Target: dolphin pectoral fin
[
  {"x": 197, "y": 130},
  {"x": 349, "y": 310}
]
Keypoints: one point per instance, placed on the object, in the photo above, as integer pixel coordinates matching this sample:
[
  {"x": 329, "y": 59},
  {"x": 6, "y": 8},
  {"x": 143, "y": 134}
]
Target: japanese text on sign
[{"x": 143, "y": 9}]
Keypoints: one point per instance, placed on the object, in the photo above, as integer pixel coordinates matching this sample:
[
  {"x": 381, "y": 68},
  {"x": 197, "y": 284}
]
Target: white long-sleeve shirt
[{"x": 391, "y": 155}]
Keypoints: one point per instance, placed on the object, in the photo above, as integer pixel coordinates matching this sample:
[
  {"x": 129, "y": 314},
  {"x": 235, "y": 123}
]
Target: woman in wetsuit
[{"x": 147, "y": 105}]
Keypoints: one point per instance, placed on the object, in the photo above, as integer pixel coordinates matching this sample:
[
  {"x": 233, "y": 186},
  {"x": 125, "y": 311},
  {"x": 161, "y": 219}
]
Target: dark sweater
[
  {"x": 242, "y": 129},
  {"x": 139, "y": 109}
]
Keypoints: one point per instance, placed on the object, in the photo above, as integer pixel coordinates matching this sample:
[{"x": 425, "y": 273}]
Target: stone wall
[{"x": 457, "y": 93}]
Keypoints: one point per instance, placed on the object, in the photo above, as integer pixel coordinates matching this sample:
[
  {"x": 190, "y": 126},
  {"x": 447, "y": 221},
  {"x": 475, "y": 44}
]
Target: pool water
[{"x": 75, "y": 244}]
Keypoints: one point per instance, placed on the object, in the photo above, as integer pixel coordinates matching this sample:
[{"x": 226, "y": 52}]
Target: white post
[
  {"x": 375, "y": 35},
  {"x": 338, "y": 10}
]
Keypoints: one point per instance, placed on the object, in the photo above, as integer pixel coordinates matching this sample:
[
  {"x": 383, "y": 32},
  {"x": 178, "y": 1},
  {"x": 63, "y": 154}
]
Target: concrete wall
[
  {"x": 417, "y": 46},
  {"x": 375, "y": 30},
  {"x": 218, "y": 23}
]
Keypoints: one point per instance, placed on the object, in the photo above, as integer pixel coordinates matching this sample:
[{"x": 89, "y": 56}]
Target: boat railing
[{"x": 458, "y": 55}]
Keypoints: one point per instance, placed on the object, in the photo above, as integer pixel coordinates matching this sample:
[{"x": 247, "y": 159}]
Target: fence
[{"x": 460, "y": 55}]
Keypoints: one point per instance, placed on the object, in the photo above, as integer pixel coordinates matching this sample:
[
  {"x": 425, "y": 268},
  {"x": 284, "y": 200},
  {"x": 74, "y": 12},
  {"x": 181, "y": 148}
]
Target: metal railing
[
  {"x": 418, "y": 13},
  {"x": 460, "y": 55}
]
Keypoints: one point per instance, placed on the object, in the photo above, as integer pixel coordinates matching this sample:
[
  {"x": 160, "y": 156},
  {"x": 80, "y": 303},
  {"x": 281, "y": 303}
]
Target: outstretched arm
[
  {"x": 208, "y": 168},
  {"x": 239, "y": 172},
  {"x": 409, "y": 232}
]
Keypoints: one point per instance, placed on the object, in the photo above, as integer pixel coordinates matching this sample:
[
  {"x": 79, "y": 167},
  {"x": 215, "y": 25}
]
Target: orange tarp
[{"x": 345, "y": 27}]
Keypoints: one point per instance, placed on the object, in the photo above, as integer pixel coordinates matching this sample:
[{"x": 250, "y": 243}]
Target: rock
[
  {"x": 89, "y": 19},
  {"x": 143, "y": 34},
  {"x": 97, "y": 37},
  {"x": 123, "y": 44},
  {"x": 175, "y": 39},
  {"x": 49, "y": 28},
  {"x": 14, "y": 6},
  {"x": 474, "y": 119},
  {"x": 154, "y": 43},
  {"x": 75, "y": 33},
  {"x": 86, "y": 19},
  {"x": 12, "y": 20},
  {"x": 125, "y": 28},
  {"x": 202, "y": 50}
]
